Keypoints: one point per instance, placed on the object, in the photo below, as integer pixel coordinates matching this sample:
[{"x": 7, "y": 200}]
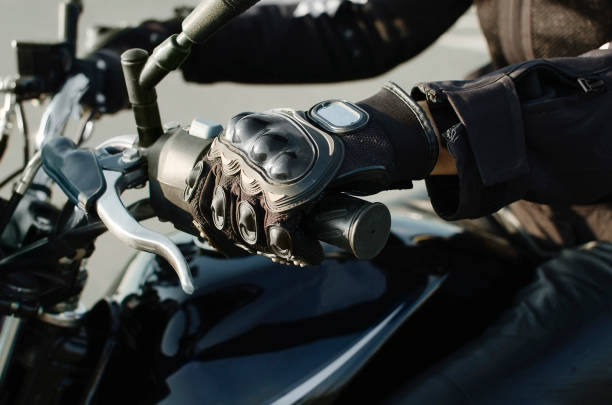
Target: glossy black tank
[{"x": 258, "y": 332}]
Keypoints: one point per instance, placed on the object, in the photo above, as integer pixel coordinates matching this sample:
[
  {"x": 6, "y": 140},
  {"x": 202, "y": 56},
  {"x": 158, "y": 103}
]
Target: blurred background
[{"x": 461, "y": 50}]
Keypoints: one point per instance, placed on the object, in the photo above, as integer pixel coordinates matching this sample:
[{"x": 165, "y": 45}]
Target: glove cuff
[{"x": 408, "y": 129}]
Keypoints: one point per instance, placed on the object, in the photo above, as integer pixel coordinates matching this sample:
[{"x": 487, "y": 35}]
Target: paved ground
[{"x": 456, "y": 53}]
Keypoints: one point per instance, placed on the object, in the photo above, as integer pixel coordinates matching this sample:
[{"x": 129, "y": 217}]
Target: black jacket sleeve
[
  {"x": 539, "y": 131},
  {"x": 321, "y": 41}
]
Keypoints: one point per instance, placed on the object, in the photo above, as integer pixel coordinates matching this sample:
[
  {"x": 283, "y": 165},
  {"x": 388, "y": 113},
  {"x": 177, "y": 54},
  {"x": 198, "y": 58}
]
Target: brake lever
[
  {"x": 95, "y": 180},
  {"x": 121, "y": 224}
]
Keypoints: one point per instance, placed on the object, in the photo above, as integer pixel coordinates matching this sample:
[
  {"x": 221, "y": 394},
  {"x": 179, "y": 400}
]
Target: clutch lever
[{"x": 95, "y": 180}]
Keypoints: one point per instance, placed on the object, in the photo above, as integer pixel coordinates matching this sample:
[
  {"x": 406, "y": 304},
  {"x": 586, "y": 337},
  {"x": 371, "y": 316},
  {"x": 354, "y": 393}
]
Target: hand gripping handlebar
[
  {"x": 355, "y": 225},
  {"x": 352, "y": 224}
]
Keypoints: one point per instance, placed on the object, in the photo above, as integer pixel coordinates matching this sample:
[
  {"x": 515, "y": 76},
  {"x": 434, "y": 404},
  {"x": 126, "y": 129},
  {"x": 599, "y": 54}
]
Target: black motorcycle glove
[
  {"x": 259, "y": 179},
  {"x": 108, "y": 47}
]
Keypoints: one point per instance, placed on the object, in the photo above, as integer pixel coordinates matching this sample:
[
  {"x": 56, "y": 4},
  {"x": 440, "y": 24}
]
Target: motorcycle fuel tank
[{"x": 259, "y": 332}]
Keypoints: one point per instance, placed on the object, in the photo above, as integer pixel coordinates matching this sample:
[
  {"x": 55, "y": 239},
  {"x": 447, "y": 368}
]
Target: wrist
[
  {"x": 445, "y": 164},
  {"x": 410, "y": 131}
]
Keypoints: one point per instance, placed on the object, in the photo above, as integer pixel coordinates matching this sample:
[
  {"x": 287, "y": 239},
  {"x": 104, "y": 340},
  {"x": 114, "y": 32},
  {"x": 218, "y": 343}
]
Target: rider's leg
[{"x": 551, "y": 346}]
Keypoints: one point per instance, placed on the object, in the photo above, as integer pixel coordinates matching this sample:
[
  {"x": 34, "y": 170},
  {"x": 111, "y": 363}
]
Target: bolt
[
  {"x": 100, "y": 98},
  {"x": 169, "y": 126},
  {"x": 154, "y": 38},
  {"x": 130, "y": 155},
  {"x": 101, "y": 64}
]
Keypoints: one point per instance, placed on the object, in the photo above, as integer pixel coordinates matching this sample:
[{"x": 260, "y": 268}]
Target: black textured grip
[
  {"x": 356, "y": 225},
  {"x": 210, "y": 15}
]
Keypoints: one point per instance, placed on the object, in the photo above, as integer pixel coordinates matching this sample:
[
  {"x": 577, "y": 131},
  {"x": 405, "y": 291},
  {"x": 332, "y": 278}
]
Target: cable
[
  {"x": 140, "y": 210},
  {"x": 86, "y": 128},
  {"x": 22, "y": 124},
  {"x": 10, "y": 177}
]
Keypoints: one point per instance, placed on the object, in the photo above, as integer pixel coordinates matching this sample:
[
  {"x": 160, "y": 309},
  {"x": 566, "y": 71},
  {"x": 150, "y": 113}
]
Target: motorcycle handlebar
[
  {"x": 352, "y": 224},
  {"x": 210, "y": 15}
]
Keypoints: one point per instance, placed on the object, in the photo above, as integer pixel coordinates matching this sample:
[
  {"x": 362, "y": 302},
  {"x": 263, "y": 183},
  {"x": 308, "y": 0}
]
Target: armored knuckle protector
[{"x": 280, "y": 155}]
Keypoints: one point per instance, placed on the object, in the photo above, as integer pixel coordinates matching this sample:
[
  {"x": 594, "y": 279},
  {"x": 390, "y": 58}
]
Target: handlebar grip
[
  {"x": 350, "y": 223},
  {"x": 210, "y": 15}
]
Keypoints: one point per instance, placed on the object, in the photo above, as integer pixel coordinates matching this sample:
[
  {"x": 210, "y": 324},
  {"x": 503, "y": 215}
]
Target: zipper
[
  {"x": 591, "y": 86},
  {"x": 431, "y": 95},
  {"x": 589, "y": 83}
]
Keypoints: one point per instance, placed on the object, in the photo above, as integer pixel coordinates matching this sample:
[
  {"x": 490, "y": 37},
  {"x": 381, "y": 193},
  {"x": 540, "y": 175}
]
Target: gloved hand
[
  {"x": 107, "y": 49},
  {"x": 259, "y": 179}
]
